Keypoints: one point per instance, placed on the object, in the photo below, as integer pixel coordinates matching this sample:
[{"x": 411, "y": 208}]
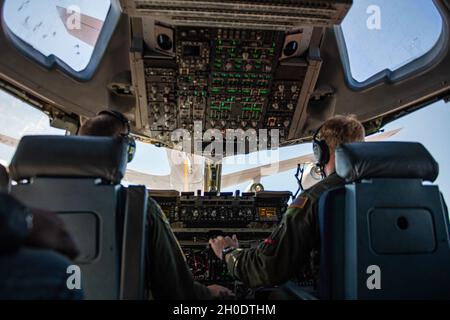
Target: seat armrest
[{"x": 132, "y": 280}]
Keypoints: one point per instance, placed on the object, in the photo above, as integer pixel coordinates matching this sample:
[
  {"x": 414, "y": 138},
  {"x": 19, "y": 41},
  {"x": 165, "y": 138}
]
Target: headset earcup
[
  {"x": 317, "y": 151},
  {"x": 324, "y": 153},
  {"x": 321, "y": 152},
  {"x": 131, "y": 149}
]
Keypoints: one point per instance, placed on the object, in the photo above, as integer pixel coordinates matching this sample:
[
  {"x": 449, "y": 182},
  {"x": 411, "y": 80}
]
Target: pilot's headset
[
  {"x": 131, "y": 150},
  {"x": 321, "y": 151}
]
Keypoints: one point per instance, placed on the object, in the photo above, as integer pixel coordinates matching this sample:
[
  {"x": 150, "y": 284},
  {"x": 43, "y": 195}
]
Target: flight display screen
[
  {"x": 191, "y": 51},
  {"x": 266, "y": 213}
]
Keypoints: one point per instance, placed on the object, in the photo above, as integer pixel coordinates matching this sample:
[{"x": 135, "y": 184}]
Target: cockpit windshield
[
  {"x": 376, "y": 38},
  {"x": 65, "y": 29},
  {"x": 386, "y": 34}
]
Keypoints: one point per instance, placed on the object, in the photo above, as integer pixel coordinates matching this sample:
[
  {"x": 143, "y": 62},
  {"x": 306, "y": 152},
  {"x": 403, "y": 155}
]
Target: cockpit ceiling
[
  {"x": 205, "y": 78},
  {"x": 254, "y": 14},
  {"x": 166, "y": 75}
]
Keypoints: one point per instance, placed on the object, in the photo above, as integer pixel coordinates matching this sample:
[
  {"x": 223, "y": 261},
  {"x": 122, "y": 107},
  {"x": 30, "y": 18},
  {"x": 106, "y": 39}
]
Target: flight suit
[
  {"x": 28, "y": 273},
  {"x": 292, "y": 249},
  {"x": 168, "y": 274},
  {"x": 13, "y": 225}
]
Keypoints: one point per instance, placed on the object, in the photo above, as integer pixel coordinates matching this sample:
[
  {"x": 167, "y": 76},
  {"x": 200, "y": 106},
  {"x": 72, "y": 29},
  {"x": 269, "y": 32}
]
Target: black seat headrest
[
  {"x": 367, "y": 160},
  {"x": 70, "y": 157}
]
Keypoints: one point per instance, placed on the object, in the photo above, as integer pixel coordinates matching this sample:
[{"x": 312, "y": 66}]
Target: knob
[
  {"x": 290, "y": 48},
  {"x": 164, "y": 41},
  {"x": 290, "y": 106},
  {"x": 281, "y": 88},
  {"x": 275, "y": 106}
]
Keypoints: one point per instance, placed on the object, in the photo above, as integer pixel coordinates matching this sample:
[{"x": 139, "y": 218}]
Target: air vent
[{"x": 255, "y": 14}]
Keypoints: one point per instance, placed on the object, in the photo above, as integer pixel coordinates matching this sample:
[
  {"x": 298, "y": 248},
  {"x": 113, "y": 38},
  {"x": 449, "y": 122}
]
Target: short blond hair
[{"x": 342, "y": 129}]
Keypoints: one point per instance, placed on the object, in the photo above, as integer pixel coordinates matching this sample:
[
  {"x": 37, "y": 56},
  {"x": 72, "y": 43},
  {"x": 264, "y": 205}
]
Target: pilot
[
  {"x": 33, "y": 244},
  {"x": 167, "y": 270},
  {"x": 292, "y": 250}
]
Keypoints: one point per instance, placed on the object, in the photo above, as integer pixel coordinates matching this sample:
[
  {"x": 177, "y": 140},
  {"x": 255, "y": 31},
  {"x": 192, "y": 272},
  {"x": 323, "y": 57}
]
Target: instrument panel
[
  {"x": 212, "y": 66},
  {"x": 195, "y": 218},
  {"x": 206, "y": 79},
  {"x": 222, "y": 210}
]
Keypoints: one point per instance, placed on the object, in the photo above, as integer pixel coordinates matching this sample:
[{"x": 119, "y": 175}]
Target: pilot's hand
[
  {"x": 49, "y": 232},
  {"x": 220, "y": 243},
  {"x": 231, "y": 242},
  {"x": 217, "y": 291}
]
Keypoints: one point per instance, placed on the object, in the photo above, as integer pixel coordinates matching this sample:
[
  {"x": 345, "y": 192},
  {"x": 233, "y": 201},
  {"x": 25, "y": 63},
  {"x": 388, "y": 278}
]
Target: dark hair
[{"x": 103, "y": 125}]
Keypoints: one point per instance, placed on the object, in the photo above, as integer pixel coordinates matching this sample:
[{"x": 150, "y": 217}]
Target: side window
[
  {"x": 386, "y": 34},
  {"x": 18, "y": 119},
  {"x": 429, "y": 126},
  {"x": 66, "y": 32}
]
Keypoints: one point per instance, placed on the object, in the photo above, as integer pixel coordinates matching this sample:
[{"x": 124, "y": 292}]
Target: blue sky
[
  {"x": 47, "y": 33},
  {"x": 409, "y": 28}
]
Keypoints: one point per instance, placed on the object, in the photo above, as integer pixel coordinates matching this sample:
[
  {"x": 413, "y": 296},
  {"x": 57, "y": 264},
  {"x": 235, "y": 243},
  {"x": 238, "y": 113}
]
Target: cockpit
[{"x": 224, "y": 101}]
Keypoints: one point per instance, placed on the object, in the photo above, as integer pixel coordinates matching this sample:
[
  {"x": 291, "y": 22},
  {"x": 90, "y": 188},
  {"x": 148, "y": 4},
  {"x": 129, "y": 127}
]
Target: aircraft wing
[
  {"x": 136, "y": 177},
  {"x": 383, "y": 136},
  {"x": 239, "y": 177},
  {"x": 255, "y": 174},
  {"x": 8, "y": 141}
]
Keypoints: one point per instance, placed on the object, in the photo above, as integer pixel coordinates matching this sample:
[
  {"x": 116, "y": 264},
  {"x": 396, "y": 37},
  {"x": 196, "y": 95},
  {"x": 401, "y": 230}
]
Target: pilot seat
[
  {"x": 79, "y": 178},
  {"x": 385, "y": 234}
]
